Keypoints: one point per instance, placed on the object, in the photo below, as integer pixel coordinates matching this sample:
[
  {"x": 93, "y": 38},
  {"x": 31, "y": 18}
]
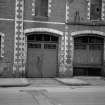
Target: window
[
  {"x": 34, "y": 45},
  {"x": 50, "y": 46},
  {"x": 5, "y": 9},
  {"x": 41, "y": 8},
  {"x": 95, "y": 9},
  {"x": 42, "y": 38}
]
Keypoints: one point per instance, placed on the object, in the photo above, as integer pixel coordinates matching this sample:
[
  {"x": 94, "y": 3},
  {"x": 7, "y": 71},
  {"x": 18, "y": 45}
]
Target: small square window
[
  {"x": 41, "y": 8},
  {"x": 95, "y": 9}
]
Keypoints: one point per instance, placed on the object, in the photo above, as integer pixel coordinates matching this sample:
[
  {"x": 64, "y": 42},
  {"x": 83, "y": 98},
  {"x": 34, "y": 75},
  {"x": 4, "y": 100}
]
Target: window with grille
[
  {"x": 92, "y": 41},
  {"x": 50, "y": 46},
  {"x": 95, "y": 9},
  {"x": 41, "y": 8}
]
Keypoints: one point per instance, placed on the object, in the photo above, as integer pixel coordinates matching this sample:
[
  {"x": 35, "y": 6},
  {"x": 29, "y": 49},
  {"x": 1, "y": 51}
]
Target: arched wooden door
[
  {"x": 42, "y": 55},
  {"x": 88, "y": 55}
]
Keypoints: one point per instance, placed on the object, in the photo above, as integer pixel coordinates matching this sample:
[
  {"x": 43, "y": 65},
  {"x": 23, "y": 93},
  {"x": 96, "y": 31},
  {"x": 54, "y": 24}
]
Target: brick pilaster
[{"x": 19, "y": 37}]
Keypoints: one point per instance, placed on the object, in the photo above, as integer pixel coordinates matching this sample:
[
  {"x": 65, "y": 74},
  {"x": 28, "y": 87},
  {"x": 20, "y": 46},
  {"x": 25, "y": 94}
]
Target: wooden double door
[
  {"x": 88, "y": 55},
  {"x": 42, "y": 56}
]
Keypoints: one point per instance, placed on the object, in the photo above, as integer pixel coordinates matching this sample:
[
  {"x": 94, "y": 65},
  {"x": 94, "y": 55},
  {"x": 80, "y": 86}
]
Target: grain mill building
[{"x": 52, "y": 38}]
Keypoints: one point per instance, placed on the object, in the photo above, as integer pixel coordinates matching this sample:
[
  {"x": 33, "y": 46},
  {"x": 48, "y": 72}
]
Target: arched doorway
[
  {"x": 42, "y": 54},
  {"x": 88, "y": 55}
]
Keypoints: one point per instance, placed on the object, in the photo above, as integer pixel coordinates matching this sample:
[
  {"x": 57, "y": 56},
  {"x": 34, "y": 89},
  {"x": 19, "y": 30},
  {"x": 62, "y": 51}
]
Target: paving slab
[
  {"x": 72, "y": 81},
  {"x": 44, "y": 82},
  {"x": 93, "y": 80},
  {"x": 12, "y": 82}
]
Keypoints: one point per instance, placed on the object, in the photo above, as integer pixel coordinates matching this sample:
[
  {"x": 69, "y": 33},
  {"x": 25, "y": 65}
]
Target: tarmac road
[
  {"x": 51, "y": 94},
  {"x": 82, "y": 96}
]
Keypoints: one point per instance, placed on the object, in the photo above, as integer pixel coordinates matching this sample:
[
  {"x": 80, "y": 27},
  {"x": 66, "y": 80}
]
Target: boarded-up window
[
  {"x": 41, "y": 8},
  {"x": 95, "y": 9}
]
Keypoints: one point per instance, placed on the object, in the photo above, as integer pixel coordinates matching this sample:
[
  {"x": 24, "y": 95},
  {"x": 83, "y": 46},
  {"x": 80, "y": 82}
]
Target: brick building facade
[{"x": 52, "y": 38}]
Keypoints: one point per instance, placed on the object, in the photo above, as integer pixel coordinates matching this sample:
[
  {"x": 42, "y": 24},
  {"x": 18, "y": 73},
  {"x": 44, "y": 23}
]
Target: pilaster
[
  {"x": 103, "y": 10},
  {"x": 49, "y": 7},
  {"x": 18, "y": 38},
  {"x": 33, "y": 7},
  {"x": 88, "y": 10},
  {"x": 67, "y": 11},
  {"x": 61, "y": 56},
  {"x": 68, "y": 53}
]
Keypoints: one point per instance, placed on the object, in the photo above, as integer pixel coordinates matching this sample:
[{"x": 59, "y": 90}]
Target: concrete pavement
[
  {"x": 94, "y": 81},
  {"x": 44, "y": 82},
  {"x": 72, "y": 81},
  {"x": 9, "y": 82},
  {"x": 53, "y": 82}
]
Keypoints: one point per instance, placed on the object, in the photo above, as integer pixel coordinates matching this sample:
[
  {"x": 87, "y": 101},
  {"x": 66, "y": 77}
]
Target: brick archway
[
  {"x": 50, "y": 30},
  {"x": 88, "y": 32}
]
